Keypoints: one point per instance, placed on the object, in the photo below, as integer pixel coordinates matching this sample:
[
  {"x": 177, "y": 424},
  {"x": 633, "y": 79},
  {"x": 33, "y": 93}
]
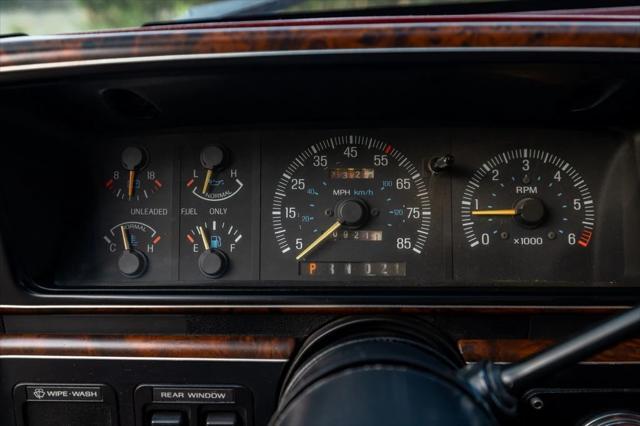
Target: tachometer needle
[
  {"x": 207, "y": 179},
  {"x": 132, "y": 179},
  {"x": 320, "y": 239},
  {"x": 125, "y": 238},
  {"x": 205, "y": 242},
  {"x": 504, "y": 212}
]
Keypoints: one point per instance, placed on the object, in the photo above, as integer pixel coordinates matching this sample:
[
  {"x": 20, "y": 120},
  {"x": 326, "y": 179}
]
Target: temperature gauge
[{"x": 131, "y": 244}]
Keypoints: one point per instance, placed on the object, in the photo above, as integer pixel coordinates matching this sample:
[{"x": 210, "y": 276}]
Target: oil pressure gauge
[
  {"x": 214, "y": 179},
  {"x": 216, "y": 216}
]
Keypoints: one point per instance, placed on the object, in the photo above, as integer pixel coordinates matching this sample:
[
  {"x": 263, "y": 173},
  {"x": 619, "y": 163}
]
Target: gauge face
[
  {"x": 222, "y": 186},
  {"x": 216, "y": 179},
  {"x": 219, "y": 235},
  {"x": 527, "y": 198},
  {"x": 354, "y": 203},
  {"x": 212, "y": 249},
  {"x": 217, "y": 214},
  {"x": 133, "y": 179},
  {"x": 139, "y": 236},
  {"x": 131, "y": 245}
]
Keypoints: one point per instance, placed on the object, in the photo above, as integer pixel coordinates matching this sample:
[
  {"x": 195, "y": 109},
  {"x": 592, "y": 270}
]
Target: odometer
[{"x": 351, "y": 199}]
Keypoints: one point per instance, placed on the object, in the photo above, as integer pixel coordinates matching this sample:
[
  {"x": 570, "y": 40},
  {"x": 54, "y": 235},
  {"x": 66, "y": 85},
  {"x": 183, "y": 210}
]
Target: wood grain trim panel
[
  {"x": 513, "y": 350},
  {"x": 147, "y": 346},
  {"x": 85, "y": 47}
]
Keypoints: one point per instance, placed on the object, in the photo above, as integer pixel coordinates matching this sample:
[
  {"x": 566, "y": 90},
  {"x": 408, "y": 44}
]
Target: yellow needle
[
  {"x": 505, "y": 212},
  {"x": 319, "y": 240},
  {"x": 132, "y": 178},
  {"x": 125, "y": 238},
  {"x": 207, "y": 179},
  {"x": 204, "y": 238}
]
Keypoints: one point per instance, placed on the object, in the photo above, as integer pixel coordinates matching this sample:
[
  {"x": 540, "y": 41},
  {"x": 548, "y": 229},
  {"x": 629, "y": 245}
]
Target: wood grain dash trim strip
[
  {"x": 147, "y": 346},
  {"x": 513, "y": 350},
  {"x": 443, "y": 35}
]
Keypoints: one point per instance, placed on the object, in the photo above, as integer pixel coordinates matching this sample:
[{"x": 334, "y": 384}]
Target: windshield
[{"x": 36, "y": 17}]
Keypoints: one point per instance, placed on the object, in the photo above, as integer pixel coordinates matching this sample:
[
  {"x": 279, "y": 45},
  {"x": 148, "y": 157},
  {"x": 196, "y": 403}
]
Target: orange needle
[
  {"x": 505, "y": 212},
  {"x": 132, "y": 178}
]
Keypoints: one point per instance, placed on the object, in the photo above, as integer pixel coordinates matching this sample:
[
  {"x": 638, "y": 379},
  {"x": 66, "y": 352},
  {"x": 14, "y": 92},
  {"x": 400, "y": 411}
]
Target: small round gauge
[
  {"x": 527, "y": 197},
  {"x": 133, "y": 179},
  {"x": 351, "y": 198},
  {"x": 212, "y": 245},
  {"x": 131, "y": 244},
  {"x": 214, "y": 180}
]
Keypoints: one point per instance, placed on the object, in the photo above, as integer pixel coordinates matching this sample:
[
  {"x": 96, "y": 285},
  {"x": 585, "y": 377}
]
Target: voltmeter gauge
[
  {"x": 527, "y": 198},
  {"x": 132, "y": 244},
  {"x": 216, "y": 179},
  {"x": 133, "y": 179}
]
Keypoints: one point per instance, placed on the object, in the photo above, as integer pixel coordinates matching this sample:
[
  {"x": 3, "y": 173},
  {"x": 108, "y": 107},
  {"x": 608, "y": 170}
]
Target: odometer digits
[{"x": 351, "y": 199}]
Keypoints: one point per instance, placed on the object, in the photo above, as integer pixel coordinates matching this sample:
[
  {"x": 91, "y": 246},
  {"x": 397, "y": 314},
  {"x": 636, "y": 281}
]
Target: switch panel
[{"x": 197, "y": 405}]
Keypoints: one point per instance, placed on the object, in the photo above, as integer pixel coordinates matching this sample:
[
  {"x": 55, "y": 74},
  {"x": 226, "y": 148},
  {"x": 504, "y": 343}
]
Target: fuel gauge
[
  {"x": 217, "y": 210},
  {"x": 212, "y": 245}
]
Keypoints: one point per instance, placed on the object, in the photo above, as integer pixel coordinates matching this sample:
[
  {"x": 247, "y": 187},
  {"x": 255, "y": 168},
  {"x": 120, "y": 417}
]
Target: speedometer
[{"x": 351, "y": 206}]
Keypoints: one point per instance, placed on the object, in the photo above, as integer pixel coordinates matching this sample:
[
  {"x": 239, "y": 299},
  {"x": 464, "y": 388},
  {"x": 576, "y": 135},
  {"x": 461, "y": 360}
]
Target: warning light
[{"x": 313, "y": 267}]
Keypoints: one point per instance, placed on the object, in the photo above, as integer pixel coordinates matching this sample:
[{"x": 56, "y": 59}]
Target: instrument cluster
[{"x": 340, "y": 207}]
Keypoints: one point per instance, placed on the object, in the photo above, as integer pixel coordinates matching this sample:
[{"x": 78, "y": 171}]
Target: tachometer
[
  {"x": 527, "y": 197},
  {"x": 353, "y": 203}
]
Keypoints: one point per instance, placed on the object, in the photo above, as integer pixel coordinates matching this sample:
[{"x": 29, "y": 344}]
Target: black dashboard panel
[
  {"x": 505, "y": 207},
  {"x": 472, "y": 192}
]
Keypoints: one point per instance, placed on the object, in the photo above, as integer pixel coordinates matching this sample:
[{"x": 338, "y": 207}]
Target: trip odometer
[{"x": 351, "y": 206}]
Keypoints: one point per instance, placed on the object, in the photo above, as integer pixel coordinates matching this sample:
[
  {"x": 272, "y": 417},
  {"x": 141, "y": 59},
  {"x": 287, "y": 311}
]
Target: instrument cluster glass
[{"x": 341, "y": 207}]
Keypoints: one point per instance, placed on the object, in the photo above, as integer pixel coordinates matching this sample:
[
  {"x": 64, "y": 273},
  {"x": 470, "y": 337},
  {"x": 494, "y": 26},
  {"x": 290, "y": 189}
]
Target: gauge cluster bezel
[{"x": 446, "y": 263}]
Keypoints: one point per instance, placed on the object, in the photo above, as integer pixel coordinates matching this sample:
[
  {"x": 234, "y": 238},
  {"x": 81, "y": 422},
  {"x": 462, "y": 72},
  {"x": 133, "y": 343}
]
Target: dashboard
[
  {"x": 338, "y": 207},
  {"x": 208, "y": 223}
]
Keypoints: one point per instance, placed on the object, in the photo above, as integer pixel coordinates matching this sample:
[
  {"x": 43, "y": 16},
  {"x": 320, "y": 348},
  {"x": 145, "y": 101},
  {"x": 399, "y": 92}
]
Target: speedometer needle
[
  {"x": 320, "y": 239},
  {"x": 505, "y": 212}
]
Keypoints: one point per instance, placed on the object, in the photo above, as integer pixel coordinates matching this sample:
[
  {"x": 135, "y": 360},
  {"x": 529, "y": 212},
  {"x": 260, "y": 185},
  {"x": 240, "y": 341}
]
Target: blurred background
[{"x": 60, "y": 16}]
